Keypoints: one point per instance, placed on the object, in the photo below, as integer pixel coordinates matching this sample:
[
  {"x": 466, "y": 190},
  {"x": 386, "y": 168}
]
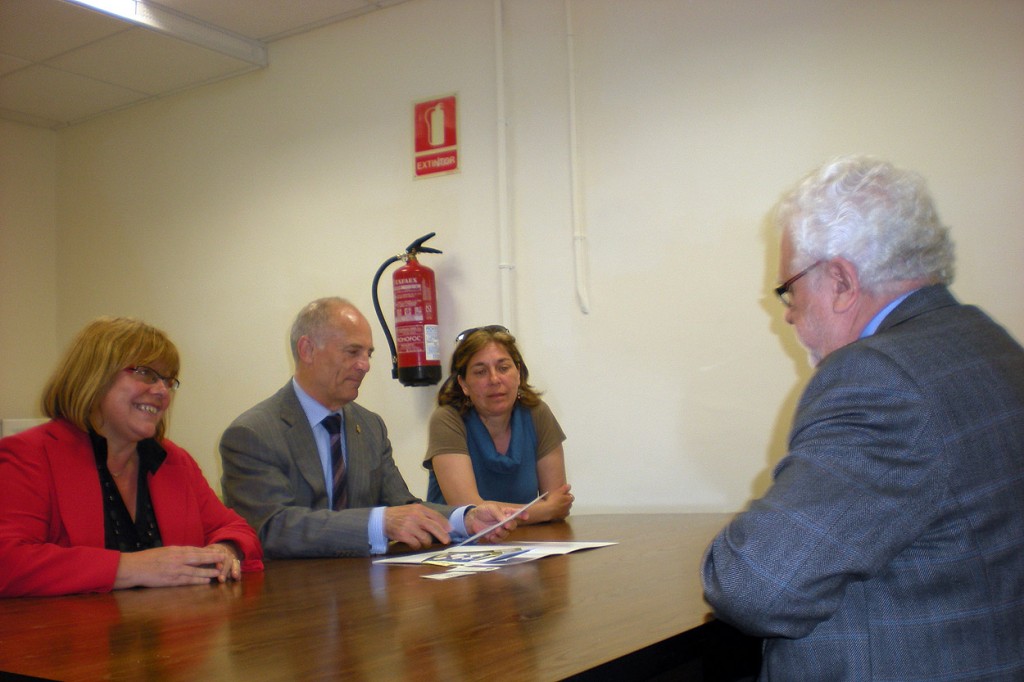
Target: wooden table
[{"x": 349, "y": 619}]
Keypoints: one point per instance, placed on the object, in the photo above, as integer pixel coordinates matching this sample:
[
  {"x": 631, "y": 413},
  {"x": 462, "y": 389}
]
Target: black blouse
[{"x": 120, "y": 532}]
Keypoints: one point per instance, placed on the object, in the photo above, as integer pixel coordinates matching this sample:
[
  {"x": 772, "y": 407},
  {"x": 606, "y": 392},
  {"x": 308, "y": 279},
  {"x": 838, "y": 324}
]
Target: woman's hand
[
  {"x": 231, "y": 565},
  {"x": 554, "y": 507},
  {"x": 551, "y": 477},
  {"x": 559, "y": 502},
  {"x": 172, "y": 566}
]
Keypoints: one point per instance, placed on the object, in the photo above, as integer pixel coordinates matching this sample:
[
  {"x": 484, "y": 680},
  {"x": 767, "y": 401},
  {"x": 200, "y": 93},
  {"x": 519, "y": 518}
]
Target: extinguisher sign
[{"x": 436, "y": 150}]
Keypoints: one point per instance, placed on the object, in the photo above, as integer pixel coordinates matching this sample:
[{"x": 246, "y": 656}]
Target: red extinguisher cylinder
[{"x": 417, "y": 344}]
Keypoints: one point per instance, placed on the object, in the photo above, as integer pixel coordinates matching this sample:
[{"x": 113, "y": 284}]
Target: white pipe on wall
[
  {"x": 506, "y": 259},
  {"x": 506, "y": 263},
  {"x": 579, "y": 233}
]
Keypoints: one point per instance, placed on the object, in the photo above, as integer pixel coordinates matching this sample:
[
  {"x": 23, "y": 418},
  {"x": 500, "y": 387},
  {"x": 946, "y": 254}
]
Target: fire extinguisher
[{"x": 417, "y": 359}]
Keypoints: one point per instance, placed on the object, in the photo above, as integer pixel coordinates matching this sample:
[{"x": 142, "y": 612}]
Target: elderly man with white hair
[{"x": 891, "y": 543}]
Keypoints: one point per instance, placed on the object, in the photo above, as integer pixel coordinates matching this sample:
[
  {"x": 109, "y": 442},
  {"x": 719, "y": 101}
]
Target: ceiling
[{"x": 62, "y": 63}]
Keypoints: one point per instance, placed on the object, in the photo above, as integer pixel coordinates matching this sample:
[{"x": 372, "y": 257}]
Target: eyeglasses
[
  {"x": 492, "y": 328},
  {"x": 148, "y": 375},
  {"x": 782, "y": 291}
]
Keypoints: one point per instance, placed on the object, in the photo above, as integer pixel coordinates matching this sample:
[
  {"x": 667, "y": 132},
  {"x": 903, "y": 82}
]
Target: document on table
[
  {"x": 492, "y": 556},
  {"x": 466, "y": 558}
]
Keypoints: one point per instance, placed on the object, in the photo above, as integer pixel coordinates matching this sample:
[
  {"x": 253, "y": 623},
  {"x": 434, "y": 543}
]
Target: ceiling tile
[
  {"x": 53, "y": 94},
  {"x": 39, "y": 29},
  {"x": 149, "y": 62},
  {"x": 61, "y": 63}
]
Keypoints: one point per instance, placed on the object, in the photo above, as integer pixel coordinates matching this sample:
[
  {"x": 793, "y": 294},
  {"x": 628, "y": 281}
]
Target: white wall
[
  {"x": 28, "y": 281},
  {"x": 216, "y": 214}
]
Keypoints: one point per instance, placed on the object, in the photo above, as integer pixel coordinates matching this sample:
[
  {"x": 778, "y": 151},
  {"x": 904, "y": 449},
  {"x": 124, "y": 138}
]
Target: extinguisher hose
[{"x": 380, "y": 315}]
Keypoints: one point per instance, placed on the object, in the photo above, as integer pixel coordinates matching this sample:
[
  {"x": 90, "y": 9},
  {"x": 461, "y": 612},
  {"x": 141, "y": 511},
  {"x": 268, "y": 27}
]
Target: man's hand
[
  {"x": 489, "y": 513},
  {"x": 416, "y": 525}
]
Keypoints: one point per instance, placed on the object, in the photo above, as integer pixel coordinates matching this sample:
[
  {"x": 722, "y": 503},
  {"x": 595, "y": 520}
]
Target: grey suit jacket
[
  {"x": 274, "y": 479},
  {"x": 891, "y": 543}
]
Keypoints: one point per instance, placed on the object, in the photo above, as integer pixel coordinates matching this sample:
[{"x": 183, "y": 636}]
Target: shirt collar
[
  {"x": 315, "y": 412},
  {"x": 151, "y": 453},
  {"x": 876, "y": 321}
]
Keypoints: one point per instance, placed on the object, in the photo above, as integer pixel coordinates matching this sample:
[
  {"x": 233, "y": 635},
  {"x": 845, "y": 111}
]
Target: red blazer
[{"x": 51, "y": 513}]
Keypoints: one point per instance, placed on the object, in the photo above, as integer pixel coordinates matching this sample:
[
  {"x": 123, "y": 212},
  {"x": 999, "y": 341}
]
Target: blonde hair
[{"x": 105, "y": 347}]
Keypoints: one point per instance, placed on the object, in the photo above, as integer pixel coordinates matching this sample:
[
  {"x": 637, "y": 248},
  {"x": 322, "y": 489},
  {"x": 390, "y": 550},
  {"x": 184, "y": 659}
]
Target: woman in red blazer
[{"x": 97, "y": 499}]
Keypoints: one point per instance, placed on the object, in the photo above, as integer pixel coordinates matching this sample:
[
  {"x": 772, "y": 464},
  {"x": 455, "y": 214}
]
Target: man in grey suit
[
  {"x": 891, "y": 543},
  {"x": 277, "y": 457}
]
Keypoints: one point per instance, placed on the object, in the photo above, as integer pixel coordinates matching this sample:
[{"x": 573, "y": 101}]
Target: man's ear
[
  {"x": 305, "y": 346},
  {"x": 845, "y": 284}
]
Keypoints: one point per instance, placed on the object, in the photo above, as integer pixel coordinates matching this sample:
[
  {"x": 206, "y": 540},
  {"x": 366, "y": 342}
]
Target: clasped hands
[
  {"x": 418, "y": 526},
  {"x": 171, "y": 566}
]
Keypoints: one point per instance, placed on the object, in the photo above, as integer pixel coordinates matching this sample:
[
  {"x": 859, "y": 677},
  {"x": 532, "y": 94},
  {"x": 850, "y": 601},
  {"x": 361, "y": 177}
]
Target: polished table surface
[{"x": 351, "y": 619}]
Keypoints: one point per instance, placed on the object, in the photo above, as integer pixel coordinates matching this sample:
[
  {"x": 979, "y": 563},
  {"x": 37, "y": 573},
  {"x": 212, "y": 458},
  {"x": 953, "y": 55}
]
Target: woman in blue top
[{"x": 491, "y": 436}]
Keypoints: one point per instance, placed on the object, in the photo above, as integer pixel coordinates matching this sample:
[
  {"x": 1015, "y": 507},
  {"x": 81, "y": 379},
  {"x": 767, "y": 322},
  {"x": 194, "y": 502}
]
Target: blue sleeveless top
[{"x": 511, "y": 477}]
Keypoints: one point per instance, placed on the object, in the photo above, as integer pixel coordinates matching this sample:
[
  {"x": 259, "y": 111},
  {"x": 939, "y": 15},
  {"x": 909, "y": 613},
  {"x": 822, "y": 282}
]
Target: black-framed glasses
[
  {"x": 783, "y": 290},
  {"x": 492, "y": 328},
  {"x": 148, "y": 375}
]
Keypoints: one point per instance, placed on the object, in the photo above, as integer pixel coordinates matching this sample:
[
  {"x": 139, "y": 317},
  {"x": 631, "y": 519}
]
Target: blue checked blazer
[
  {"x": 891, "y": 543},
  {"x": 273, "y": 478}
]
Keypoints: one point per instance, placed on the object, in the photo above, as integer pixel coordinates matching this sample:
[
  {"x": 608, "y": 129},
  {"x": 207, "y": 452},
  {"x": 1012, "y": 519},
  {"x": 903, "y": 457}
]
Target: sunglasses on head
[{"x": 492, "y": 328}]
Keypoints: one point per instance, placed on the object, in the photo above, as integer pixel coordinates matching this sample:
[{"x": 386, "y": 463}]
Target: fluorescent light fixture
[{"x": 152, "y": 16}]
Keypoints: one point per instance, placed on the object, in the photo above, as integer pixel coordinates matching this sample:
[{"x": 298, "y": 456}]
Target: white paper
[{"x": 522, "y": 551}]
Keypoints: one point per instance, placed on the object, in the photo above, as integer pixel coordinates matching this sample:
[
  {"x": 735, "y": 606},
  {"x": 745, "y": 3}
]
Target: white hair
[{"x": 878, "y": 217}]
